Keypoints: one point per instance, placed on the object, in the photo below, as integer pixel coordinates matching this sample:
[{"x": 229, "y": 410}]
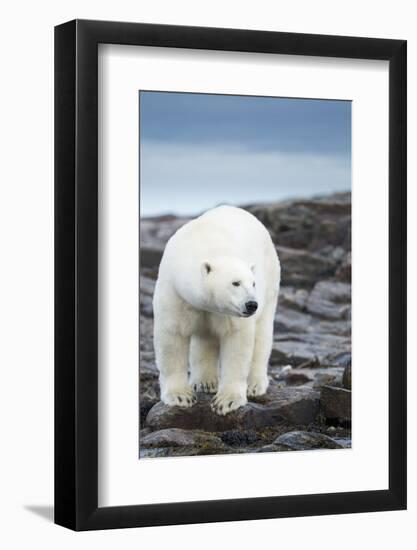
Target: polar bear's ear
[
  {"x": 252, "y": 268},
  {"x": 206, "y": 267}
]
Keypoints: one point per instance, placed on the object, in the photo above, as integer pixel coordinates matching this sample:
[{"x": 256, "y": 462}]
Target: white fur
[{"x": 199, "y": 315}]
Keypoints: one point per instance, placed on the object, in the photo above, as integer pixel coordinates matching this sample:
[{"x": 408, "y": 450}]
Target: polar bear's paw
[
  {"x": 180, "y": 397},
  {"x": 257, "y": 386},
  {"x": 208, "y": 385},
  {"x": 225, "y": 402}
]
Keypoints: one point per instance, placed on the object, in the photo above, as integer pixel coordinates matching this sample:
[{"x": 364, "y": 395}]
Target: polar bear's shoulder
[{"x": 226, "y": 212}]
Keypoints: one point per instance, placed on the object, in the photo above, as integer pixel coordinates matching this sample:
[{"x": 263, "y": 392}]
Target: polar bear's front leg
[
  {"x": 258, "y": 375},
  {"x": 236, "y": 351},
  {"x": 172, "y": 350},
  {"x": 204, "y": 361}
]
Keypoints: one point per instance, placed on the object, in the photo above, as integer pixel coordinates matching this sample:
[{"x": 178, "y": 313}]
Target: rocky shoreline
[{"x": 308, "y": 403}]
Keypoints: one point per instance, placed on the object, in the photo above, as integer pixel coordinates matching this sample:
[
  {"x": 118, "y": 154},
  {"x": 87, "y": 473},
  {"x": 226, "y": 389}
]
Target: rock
[
  {"x": 150, "y": 257},
  {"x": 344, "y": 271},
  {"x": 335, "y": 403},
  {"x": 290, "y": 320},
  {"x": 149, "y": 272},
  {"x": 239, "y": 438},
  {"x": 315, "y": 377},
  {"x": 297, "y": 405},
  {"x": 347, "y": 377},
  {"x": 272, "y": 448},
  {"x": 333, "y": 291},
  {"x": 317, "y": 348},
  {"x": 154, "y": 234},
  {"x": 146, "y": 285},
  {"x": 295, "y": 377},
  {"x": 338, "y": 327},
  {"x": 317, "y": 224},
  {"x": 294, "y": 298},
  {"x": 146, "y": 333},
  {"x": 154, "y": 452},
  {"x": 301, "y": 268},
  {"x": 148, "y": 397},
  {"x": 147, "y": 366},
  {"x": 330, "y": 300},
  {"x": 175, "y": 437},
  {"x": 310, "y": 224},
  {"x": 143, "y": 432},
  {"x": 299, "y": 441},
  {"x": 345, "y": 442},
  {"x": 148, "y": 383},
  {"x": 146, "y": 289},
  {"x": 324, "y": 379}
]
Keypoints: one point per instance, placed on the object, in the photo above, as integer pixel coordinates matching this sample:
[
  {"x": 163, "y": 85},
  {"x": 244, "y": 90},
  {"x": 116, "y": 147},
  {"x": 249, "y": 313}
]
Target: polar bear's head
[{"x": 229, "y": 286}]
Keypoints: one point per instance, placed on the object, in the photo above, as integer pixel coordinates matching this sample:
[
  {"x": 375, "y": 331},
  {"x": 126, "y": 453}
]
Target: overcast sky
[{"x": 200, "y": 150}]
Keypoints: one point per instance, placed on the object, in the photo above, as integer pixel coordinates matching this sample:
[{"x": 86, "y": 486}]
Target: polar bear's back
[{"x": 222, "y": 231}]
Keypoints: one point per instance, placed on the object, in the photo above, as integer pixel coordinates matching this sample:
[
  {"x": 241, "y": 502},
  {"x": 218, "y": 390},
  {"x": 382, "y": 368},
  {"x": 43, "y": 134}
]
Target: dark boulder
[
  {"x": 300, "y": 441},
  {"x": 297, "y": 405},
  {"x": 335, "y": 404}
]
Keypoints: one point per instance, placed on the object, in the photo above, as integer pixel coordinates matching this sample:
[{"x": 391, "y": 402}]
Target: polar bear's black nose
[{"x": 251, "y": 307}]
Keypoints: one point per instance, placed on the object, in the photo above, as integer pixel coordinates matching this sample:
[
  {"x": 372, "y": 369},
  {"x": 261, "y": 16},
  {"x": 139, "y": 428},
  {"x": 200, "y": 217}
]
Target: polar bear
[{"x": 214, "y": 306}]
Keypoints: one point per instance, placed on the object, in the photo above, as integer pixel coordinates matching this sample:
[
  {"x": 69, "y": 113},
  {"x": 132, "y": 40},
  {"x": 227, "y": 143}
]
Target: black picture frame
[{"x": 76, "y": 272}]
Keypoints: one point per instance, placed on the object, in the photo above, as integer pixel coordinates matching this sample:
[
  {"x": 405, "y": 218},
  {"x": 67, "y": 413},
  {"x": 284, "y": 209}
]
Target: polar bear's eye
[
  {"x": 253, "y": 285},
  {"x": 236, "y": 283}
]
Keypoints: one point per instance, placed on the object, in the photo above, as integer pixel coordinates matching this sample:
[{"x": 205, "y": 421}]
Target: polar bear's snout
[{"x": 250, "y": 307}]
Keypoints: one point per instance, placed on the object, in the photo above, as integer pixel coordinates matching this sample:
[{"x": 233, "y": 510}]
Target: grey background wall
[{"x": 26, "y": 274}]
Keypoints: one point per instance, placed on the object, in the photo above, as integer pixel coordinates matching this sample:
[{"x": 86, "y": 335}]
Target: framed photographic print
[{"x": 230, "y": 255}]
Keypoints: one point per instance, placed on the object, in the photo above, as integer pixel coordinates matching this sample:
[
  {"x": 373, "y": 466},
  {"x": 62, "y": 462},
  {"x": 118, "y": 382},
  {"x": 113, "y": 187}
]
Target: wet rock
[
  {"x": 347, "y": 377},
  {"x": 175, "y": 437},
  {"x": 298, "y": 405},
  {"x": 300, "y": 440},
  {"x": 335, "y": 403}
]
